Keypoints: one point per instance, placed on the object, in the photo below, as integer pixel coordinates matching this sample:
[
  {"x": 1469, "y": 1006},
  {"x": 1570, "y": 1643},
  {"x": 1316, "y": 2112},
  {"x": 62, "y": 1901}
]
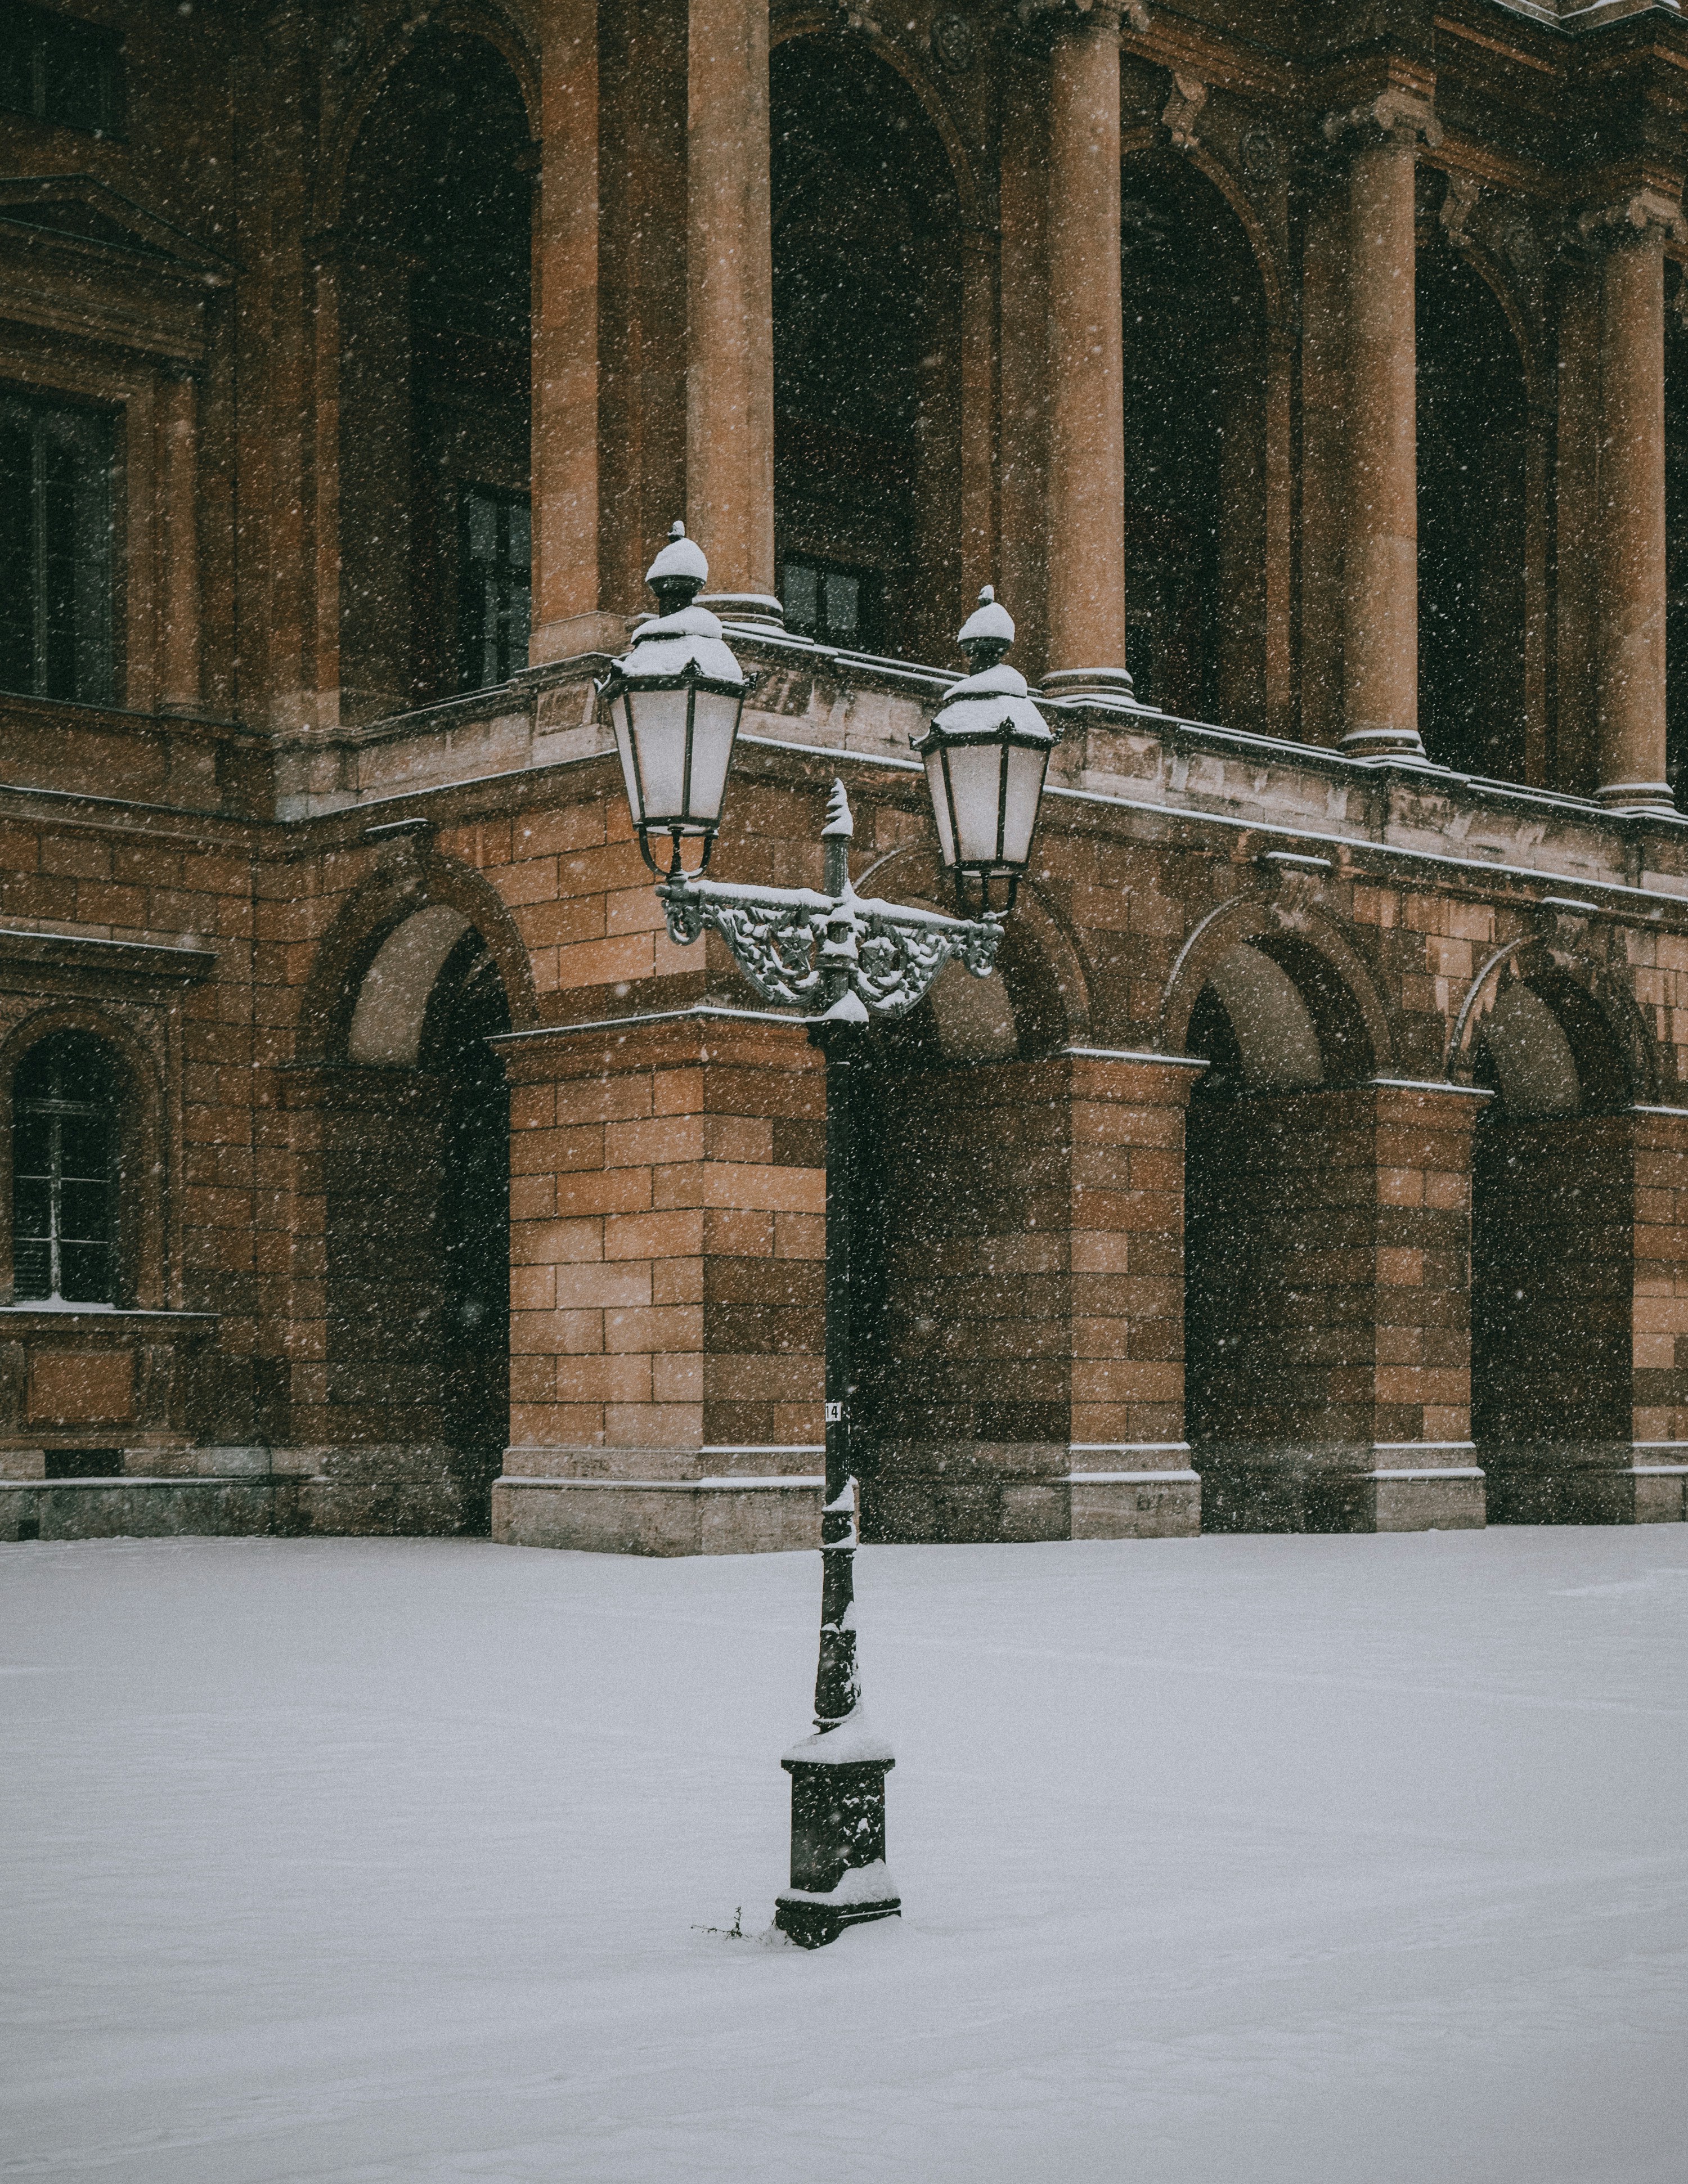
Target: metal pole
[
  {"x": 836, "y": 1688},
  {"x": 837, "y": 1775}
]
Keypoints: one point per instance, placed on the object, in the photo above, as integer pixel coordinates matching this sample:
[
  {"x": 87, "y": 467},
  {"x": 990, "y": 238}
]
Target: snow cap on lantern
[
  {"x": 986, "y": 754},
  {"x": 675, "y": 703}
]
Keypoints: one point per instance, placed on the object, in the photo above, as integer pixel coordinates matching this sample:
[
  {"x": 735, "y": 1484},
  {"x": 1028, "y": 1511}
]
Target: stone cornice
[
  {"x": 1582, "y": 18},
  {"x": 88, "y": 954}
]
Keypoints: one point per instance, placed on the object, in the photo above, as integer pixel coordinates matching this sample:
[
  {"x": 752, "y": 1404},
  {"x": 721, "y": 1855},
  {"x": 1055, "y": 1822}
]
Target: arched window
[{"x": 65, "y": 1099}]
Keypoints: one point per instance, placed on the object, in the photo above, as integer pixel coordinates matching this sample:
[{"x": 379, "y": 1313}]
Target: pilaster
[{"x": 667, "y": 1245}]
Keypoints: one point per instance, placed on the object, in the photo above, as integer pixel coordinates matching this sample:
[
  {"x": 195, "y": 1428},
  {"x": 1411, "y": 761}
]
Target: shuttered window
[{"x": 55, "y": 552}]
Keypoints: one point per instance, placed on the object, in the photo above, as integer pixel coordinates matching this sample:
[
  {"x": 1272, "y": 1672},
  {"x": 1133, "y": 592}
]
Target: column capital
[
  {"x": 1632, "y": 219},
  {"x": 1100, "y": 15},
  {"x": 1395, "y": 116}
]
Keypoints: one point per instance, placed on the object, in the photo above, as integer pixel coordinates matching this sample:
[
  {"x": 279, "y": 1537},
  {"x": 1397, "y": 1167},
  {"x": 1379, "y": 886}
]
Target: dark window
[
  {"x": 833, "y": 606},
  {"x": 64, "y": 1154},
  {"x": 55, "y": 552},
  {"x": 55, "y": 67},
  {"x": 494, "y": 552}
]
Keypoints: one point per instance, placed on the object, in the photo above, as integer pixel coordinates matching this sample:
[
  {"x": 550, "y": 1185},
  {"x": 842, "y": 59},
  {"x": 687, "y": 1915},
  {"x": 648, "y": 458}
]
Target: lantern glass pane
[
  {"x": 940, "y": 805},
  {"x": 975, "y": 786},
  {"x": 714, "y": 725},
  {"x": 659, "y": 750},
  {"x": 629, "y": 782},
  {"x": 1026, "y": 770}
]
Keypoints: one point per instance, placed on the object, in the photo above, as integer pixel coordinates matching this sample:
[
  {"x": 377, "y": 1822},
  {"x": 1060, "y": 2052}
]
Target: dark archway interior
[
  {"x": 1552, "y": 1255},
  {"x": 434, "y": 385},
  {"x": 1473, "y": 420},
  {"x": 1195, "y": 448},
  {"x": 867, "y": 355},
  {"x": 416, "y": 1169},
  {"x": 467, "y": 1008},
  {"x": 1278, "y": 1229}
]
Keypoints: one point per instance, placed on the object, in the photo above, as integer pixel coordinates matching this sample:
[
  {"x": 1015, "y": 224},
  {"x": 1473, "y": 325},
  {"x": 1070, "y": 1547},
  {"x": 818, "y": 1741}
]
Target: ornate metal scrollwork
[{"x": 797, "y": 946}]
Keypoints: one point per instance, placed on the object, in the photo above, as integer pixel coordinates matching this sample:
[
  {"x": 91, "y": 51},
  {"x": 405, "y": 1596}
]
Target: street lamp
[
  {"x": 842, "y": 959},
  {"x": 986, "y": 754},
  {"x": 675, "y": 701}
]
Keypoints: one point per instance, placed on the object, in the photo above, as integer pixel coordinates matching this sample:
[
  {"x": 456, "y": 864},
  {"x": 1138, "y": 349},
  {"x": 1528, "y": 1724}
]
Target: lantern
[
  {"x": 986, "y": 754},
  {"x": 675, "y": 702}
]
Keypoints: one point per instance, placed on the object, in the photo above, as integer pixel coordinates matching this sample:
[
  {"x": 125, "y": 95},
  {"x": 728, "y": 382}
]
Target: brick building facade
[{"x": 1311, "y": 379}]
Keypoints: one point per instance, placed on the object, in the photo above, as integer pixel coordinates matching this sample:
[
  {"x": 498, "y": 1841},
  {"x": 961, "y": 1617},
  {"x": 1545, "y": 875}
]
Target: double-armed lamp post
[{"x": 841, "y": 960}]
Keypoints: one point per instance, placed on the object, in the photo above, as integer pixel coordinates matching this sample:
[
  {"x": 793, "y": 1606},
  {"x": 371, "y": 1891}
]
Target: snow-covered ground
[{"x": 1226, "y": 1860}]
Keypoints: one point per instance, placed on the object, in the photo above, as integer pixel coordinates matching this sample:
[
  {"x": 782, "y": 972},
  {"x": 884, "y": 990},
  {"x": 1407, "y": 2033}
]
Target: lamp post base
[{"x": 839, "y": 1876}]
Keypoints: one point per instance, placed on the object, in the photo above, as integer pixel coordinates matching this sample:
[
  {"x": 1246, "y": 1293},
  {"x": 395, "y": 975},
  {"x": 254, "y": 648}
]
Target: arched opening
[
  {"x": 1194, "y": 446},
  {"x": 417, "y": 1225},
  {"x": 435, "y": 263},
  {"x": 68, "y": 1182},
  {"x": 963, "y": 1390},
  {"x": 1473, "y": 426},
  {"x": 866, "y": 288},
  {"x": 1279, "y": 1234},
  {"x": 1552, "y": 1246}
]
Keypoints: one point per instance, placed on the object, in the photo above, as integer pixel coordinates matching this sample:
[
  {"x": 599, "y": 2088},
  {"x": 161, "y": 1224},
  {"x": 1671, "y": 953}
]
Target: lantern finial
[
  {"x": 679, "y": 572},
  {"x": 987, "y": 633}
]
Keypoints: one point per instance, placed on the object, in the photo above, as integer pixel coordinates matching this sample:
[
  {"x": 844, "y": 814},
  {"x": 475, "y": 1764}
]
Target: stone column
[
  {"x": 1086, "y": 498},
  {"x": 1629, "y": 642},
  {"x": 569, "y": 608},
  {"x": 730, "y": 361},
  {"x": 1380, "y": 555}
]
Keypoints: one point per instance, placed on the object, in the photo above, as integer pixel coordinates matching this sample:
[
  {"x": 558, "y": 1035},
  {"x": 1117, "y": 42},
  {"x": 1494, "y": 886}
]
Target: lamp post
[{"x": 841, "y": 960}]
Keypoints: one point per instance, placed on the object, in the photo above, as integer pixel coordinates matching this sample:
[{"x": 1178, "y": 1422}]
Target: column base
[
  {"x": 1635, "y": 796},
  {"x": 1405, "y": 745},
  {"x": 1380, "y": 1489},
  {"x": 561, "y": 1498},
  {"x": 1108, "y": 683},
  {"x": 1587, "y": 1483},
  {"x": 757, "y": 611},
  {"x": 976, "y": 1494}
]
